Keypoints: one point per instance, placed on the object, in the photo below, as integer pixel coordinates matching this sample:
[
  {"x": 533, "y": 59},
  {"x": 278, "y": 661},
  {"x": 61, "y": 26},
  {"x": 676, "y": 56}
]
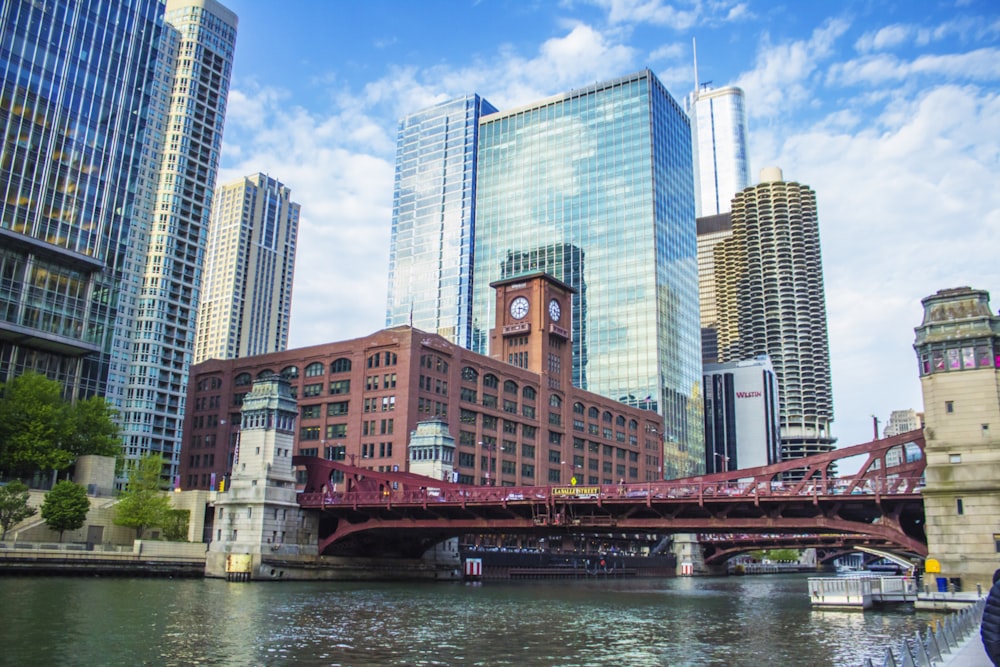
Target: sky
[{"x": 889, "y": 110}]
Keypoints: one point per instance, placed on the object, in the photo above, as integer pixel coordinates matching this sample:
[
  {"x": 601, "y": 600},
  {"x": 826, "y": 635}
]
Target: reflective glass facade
[
  {"x": 78, "y": 79},
  {"x": 433, "y": 219},
  {"x": 595, "y": 187},
  {"x": 719, "y": 134}
]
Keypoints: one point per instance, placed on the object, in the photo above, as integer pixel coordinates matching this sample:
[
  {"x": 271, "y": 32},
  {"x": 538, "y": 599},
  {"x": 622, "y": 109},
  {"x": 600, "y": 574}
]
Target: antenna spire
[{"x": 694, "y": 50}]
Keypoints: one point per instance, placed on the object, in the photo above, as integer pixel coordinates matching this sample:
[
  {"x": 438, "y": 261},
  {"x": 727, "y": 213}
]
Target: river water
[{"x": 733, "y": 621}]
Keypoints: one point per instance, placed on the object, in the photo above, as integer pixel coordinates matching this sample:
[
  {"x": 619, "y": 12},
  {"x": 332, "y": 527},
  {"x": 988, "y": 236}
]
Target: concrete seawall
[{"x": 142, "y": 559}]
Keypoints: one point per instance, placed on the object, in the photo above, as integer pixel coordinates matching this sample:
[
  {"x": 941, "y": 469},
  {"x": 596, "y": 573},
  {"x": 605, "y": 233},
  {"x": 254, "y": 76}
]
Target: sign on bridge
[{"x": 576, "y": 491}]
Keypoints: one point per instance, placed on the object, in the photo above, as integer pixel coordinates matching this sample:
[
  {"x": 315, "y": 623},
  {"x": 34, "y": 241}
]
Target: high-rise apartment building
[
  {"x": 595, "y": 187},
  {"x": 196, "y": 65},
  {"x": 201, "y": 38},
  {"x": 719, "y": 138},
  {"x": 433, "y": 219},
  {"x": 902, "y": 421},
  {"x": 770, "y": 300},
  {"x": 75, "y": 185},
  {"x": 711, "y": 230},
  {"x": 246, "y": 296}
]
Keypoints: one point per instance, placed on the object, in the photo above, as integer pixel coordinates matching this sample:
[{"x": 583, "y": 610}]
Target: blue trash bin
[{"x": 942, "y": 583}]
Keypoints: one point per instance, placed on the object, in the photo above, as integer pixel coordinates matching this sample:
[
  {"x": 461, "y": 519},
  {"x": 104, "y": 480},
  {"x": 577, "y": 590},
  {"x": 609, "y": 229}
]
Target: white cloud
[
  {"x": 884, "y": 38},
  {"x": 781, "y": 78},
  {"x": 979, "y": 65},
  {"x": 672, "y": 15},
  {"x": 739, "y": 11},
  {"x": 903, "y": 213},
  {"x": 672, "y": 51},
  {"x": 650, "y": 11}
]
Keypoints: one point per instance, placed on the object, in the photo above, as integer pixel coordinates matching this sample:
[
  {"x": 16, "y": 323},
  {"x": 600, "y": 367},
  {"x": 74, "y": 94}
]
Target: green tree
[
  {"x": 14, "y": 506},
  {"x": 782, "y": 555},
  {"x": 65, "y": 507},
  {"x": 144, "y": 504},
  {"x": 91, "y": 428},
  {"x": 40, "y": 431},
  {"x": 32, "y": 426},
  {"x": 175, "y": 526}
]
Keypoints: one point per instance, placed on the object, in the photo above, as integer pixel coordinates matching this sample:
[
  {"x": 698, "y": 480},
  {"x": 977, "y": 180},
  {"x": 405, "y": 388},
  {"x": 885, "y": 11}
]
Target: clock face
[
  {"x": 554, "y": 310},
  {"x": 519, "y": 307}
]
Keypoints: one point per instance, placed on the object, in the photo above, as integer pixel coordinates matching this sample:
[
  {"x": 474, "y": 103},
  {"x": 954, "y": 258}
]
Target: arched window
[
  {"x": 490, "y": 381},
  {"x": 510, "y": 387},
  {"x": 290, "y": 372},
  {"x": 315, "y": 369},
  {"x": 593, "y": 413},
  {"x": 619, "y": 421},
  {"x": 633, "y": 425},
  {"x": 529, "y": 393},
  {"x": 469, "y": 374},
  {"x": 578, "y": 408},
  {"x": 342, "y": 365},
  {"x": 555, "y": 401},
  {"x": 608, "y": 417},
  {"x": 243, "y": 379}
]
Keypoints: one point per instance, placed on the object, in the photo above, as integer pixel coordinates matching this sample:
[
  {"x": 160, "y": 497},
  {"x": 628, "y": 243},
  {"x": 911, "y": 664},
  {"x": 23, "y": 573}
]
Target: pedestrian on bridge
[{"x": 989, "y": 630}]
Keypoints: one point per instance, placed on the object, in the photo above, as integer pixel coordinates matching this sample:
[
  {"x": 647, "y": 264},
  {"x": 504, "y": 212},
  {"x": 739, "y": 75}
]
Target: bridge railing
[{"x": 649, "y": 491}]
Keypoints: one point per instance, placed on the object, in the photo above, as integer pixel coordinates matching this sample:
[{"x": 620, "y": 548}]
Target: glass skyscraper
[
  {"x": 77, "y": 79},
  {"x": 433, "y": 219},
  {"x": 595, "y": 187},
  {"x": 111, "y": 114},
  {"x": 719, "y": 133}
]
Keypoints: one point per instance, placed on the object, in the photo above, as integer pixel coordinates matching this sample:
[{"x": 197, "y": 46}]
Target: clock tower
[{"x": 532, "y": 328}]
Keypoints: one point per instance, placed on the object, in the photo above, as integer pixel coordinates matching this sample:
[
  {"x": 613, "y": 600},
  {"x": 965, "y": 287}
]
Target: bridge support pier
[{"x": 689, "y": 555}]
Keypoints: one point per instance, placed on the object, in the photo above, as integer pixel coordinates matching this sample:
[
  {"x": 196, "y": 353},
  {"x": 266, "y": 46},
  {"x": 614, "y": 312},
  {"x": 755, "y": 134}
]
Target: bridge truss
[{"x": 390, "y": 513}]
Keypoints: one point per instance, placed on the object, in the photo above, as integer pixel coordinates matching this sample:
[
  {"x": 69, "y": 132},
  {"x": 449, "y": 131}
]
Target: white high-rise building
[
  {"x": 770, "y": 300},
  {"x": 201, "y": 36},
  {"x": 902, "y": 421},
  {"x": 246, "y": 297},
  {"x": 741, "y": 415},
  {"x": 719, "y": 142}
]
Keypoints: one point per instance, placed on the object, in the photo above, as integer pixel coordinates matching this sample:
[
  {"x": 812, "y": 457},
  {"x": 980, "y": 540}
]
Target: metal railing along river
[{"x": 935, "y": 646}]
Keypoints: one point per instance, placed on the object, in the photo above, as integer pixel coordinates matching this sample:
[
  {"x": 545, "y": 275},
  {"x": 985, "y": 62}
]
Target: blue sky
[{"x": 890, "y": 111}]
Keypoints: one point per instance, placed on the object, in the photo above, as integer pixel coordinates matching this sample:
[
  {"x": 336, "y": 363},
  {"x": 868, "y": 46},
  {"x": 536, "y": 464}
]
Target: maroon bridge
[{"x": 400, "y": 514}]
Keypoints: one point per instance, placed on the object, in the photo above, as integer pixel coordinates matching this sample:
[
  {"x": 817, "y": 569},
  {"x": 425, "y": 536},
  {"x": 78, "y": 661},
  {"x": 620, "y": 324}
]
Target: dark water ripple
[{"x": 703, "y": 622}]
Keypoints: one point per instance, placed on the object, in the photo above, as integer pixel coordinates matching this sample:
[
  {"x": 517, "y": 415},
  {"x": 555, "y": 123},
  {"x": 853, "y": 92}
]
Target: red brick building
[{"x": 515, "y": 416}]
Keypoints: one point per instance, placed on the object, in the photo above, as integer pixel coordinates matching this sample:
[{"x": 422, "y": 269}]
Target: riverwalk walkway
[
  {"x": 968, "y": 654},
  {"x": 953, "y": 642}
]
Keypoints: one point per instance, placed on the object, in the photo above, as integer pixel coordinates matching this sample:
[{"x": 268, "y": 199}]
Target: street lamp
[
  {"x": 488, "y": 448},
  {"x": 572, "y": 479},
  {"x": 725, "y": 461}
]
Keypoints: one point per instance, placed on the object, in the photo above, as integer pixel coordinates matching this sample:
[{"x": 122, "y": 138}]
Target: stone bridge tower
[
  {"x": 958, "y": 351},
  {"x": 257, "y": 519}
]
